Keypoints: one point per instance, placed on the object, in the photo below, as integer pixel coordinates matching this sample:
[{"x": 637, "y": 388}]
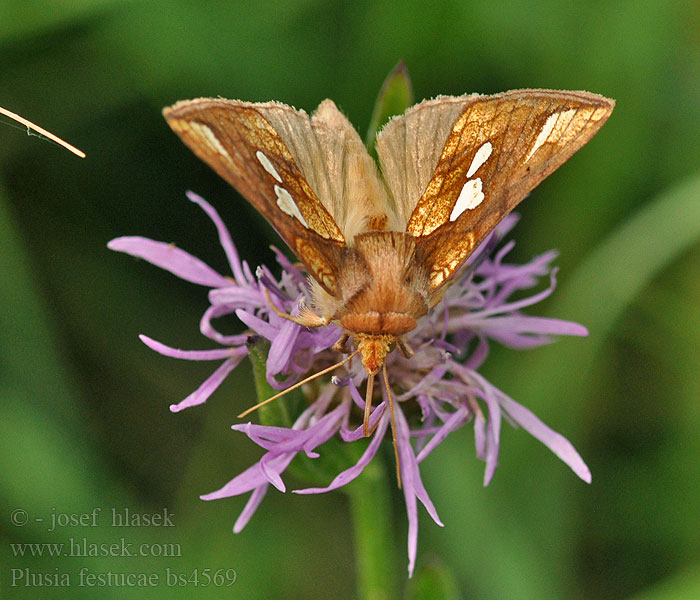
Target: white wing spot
[
  {"x": 436, "y": 278},
  {"x": 481, "y": 156},
  {"x": 470, "y": 197},
  {"x": 267, "y": 165},
  {"x": 288, "y": 206},
  {"x": 210, "y": 138},
  {"x": 547, "y": 129}
]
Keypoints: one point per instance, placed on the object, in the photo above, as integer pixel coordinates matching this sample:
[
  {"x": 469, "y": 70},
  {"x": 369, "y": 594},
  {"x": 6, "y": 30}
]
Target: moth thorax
[{"x": 373, "y": 349}]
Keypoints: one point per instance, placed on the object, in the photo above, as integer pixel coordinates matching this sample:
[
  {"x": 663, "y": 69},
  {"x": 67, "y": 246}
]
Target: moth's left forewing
[
  {"x": 499, "y": 148},
  {"x": 239, "y": 142}
]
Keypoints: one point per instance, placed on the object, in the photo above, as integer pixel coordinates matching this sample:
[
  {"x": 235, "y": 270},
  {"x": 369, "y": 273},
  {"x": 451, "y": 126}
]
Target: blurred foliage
[{"x": 84, "y": 418}]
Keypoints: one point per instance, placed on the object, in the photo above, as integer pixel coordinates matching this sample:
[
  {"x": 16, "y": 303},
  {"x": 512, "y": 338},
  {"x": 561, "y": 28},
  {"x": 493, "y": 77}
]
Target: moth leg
[
  {"x": 404, "y": 348},
  {"x": 306, "y": 318},
  {"x": 341, "y": 344}
]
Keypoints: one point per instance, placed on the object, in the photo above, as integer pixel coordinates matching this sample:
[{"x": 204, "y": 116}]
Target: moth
[{"x": 382, "y": 245}]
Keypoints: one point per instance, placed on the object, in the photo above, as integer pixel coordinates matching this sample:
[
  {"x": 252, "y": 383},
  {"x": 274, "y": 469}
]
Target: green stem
[{"x": 371, "y": 510}]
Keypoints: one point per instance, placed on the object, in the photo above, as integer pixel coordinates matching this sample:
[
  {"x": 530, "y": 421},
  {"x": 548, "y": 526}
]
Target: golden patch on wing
[
  {"x": 317, "y": 264},
  {"x": 240, "y": 144},
  {"x": 498, "y": 149},
  {"x": 449, "y": 259}
]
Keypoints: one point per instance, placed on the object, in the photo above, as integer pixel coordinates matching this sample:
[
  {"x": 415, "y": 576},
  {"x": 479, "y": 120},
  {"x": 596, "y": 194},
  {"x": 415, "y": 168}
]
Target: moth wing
[
  {"x": 497, "y": 150},
  {"x": 271, "y": 155},
  {"x": 335, "y": 162},
  {"x": 410, "y": 145}
]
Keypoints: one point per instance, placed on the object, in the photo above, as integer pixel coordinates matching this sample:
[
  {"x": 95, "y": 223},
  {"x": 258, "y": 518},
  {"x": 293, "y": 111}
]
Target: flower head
[{"x": 435, "y": 392}]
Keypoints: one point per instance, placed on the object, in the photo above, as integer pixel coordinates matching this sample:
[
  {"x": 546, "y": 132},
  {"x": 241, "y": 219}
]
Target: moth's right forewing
[
  {"x": 499, "y": 148},
  {"x": 410, "y": 145}
]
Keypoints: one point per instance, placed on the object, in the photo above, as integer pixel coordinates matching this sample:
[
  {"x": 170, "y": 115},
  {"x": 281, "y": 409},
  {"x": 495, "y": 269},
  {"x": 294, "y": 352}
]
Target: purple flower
[{"x": 436, "y": 391}]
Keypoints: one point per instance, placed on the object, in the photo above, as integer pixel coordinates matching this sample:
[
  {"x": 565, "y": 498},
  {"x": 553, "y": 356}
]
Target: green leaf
[{"x": 394, "y": 98}]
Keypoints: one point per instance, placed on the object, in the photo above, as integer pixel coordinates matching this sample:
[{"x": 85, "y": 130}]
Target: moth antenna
[
  {"x": 368, "y": 404},
  {"x": 393, "y": 427},
  {"x": 40, "y": 130},
  {"x": 296, "y": 385}
]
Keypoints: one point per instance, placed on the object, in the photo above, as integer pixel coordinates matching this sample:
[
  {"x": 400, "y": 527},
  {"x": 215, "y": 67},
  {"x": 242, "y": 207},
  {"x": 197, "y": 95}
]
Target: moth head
[{"x": 373, "y": 349}]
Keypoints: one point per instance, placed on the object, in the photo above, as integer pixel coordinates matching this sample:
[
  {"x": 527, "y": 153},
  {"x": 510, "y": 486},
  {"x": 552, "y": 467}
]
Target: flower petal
[
  {"x": 202, "y": 393},
  {"x": 250, "y": 479},
  {"x": 412, "y": 487},
  {"x": 268, "y": 466},
  {"x": 556, "y": 442},
  {"x": 208, "y": 330},
  {"x": 353, "y": 472},
  {"x": 493, "y": 435},
  {"x": 480, "y": 435},
  {"x": 266, "y": 436},
  {"x": 224, "y": 237},
  {"x": 528, "y": 325},
  {"x": 250, "y": 508},
  {"x": 259, "y": 326},
  {"x": 281, "y": 439},
  {"x": 288, "y": 267},
  {"x": 456, "y": 420},
  {"x": 170, "y": 258},
  {"x": 283, "y": 344},
  {"x": 217, "y": 354},
  {"x": 238, "y": 296}
]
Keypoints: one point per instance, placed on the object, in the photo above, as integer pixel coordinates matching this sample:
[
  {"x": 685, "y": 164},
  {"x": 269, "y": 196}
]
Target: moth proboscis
[{"x": 382, "y": 246}]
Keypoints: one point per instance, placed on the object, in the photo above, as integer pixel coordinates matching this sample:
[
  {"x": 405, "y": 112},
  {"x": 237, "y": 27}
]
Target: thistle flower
[{"x": 436, "y": 392}]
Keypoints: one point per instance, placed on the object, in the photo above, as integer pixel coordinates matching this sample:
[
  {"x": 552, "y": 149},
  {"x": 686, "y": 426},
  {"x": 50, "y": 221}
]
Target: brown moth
[{"x": 382, "y": 248}]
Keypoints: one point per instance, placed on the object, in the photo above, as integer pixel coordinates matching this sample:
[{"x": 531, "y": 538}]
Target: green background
[{"x": 84, "y": 418}]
